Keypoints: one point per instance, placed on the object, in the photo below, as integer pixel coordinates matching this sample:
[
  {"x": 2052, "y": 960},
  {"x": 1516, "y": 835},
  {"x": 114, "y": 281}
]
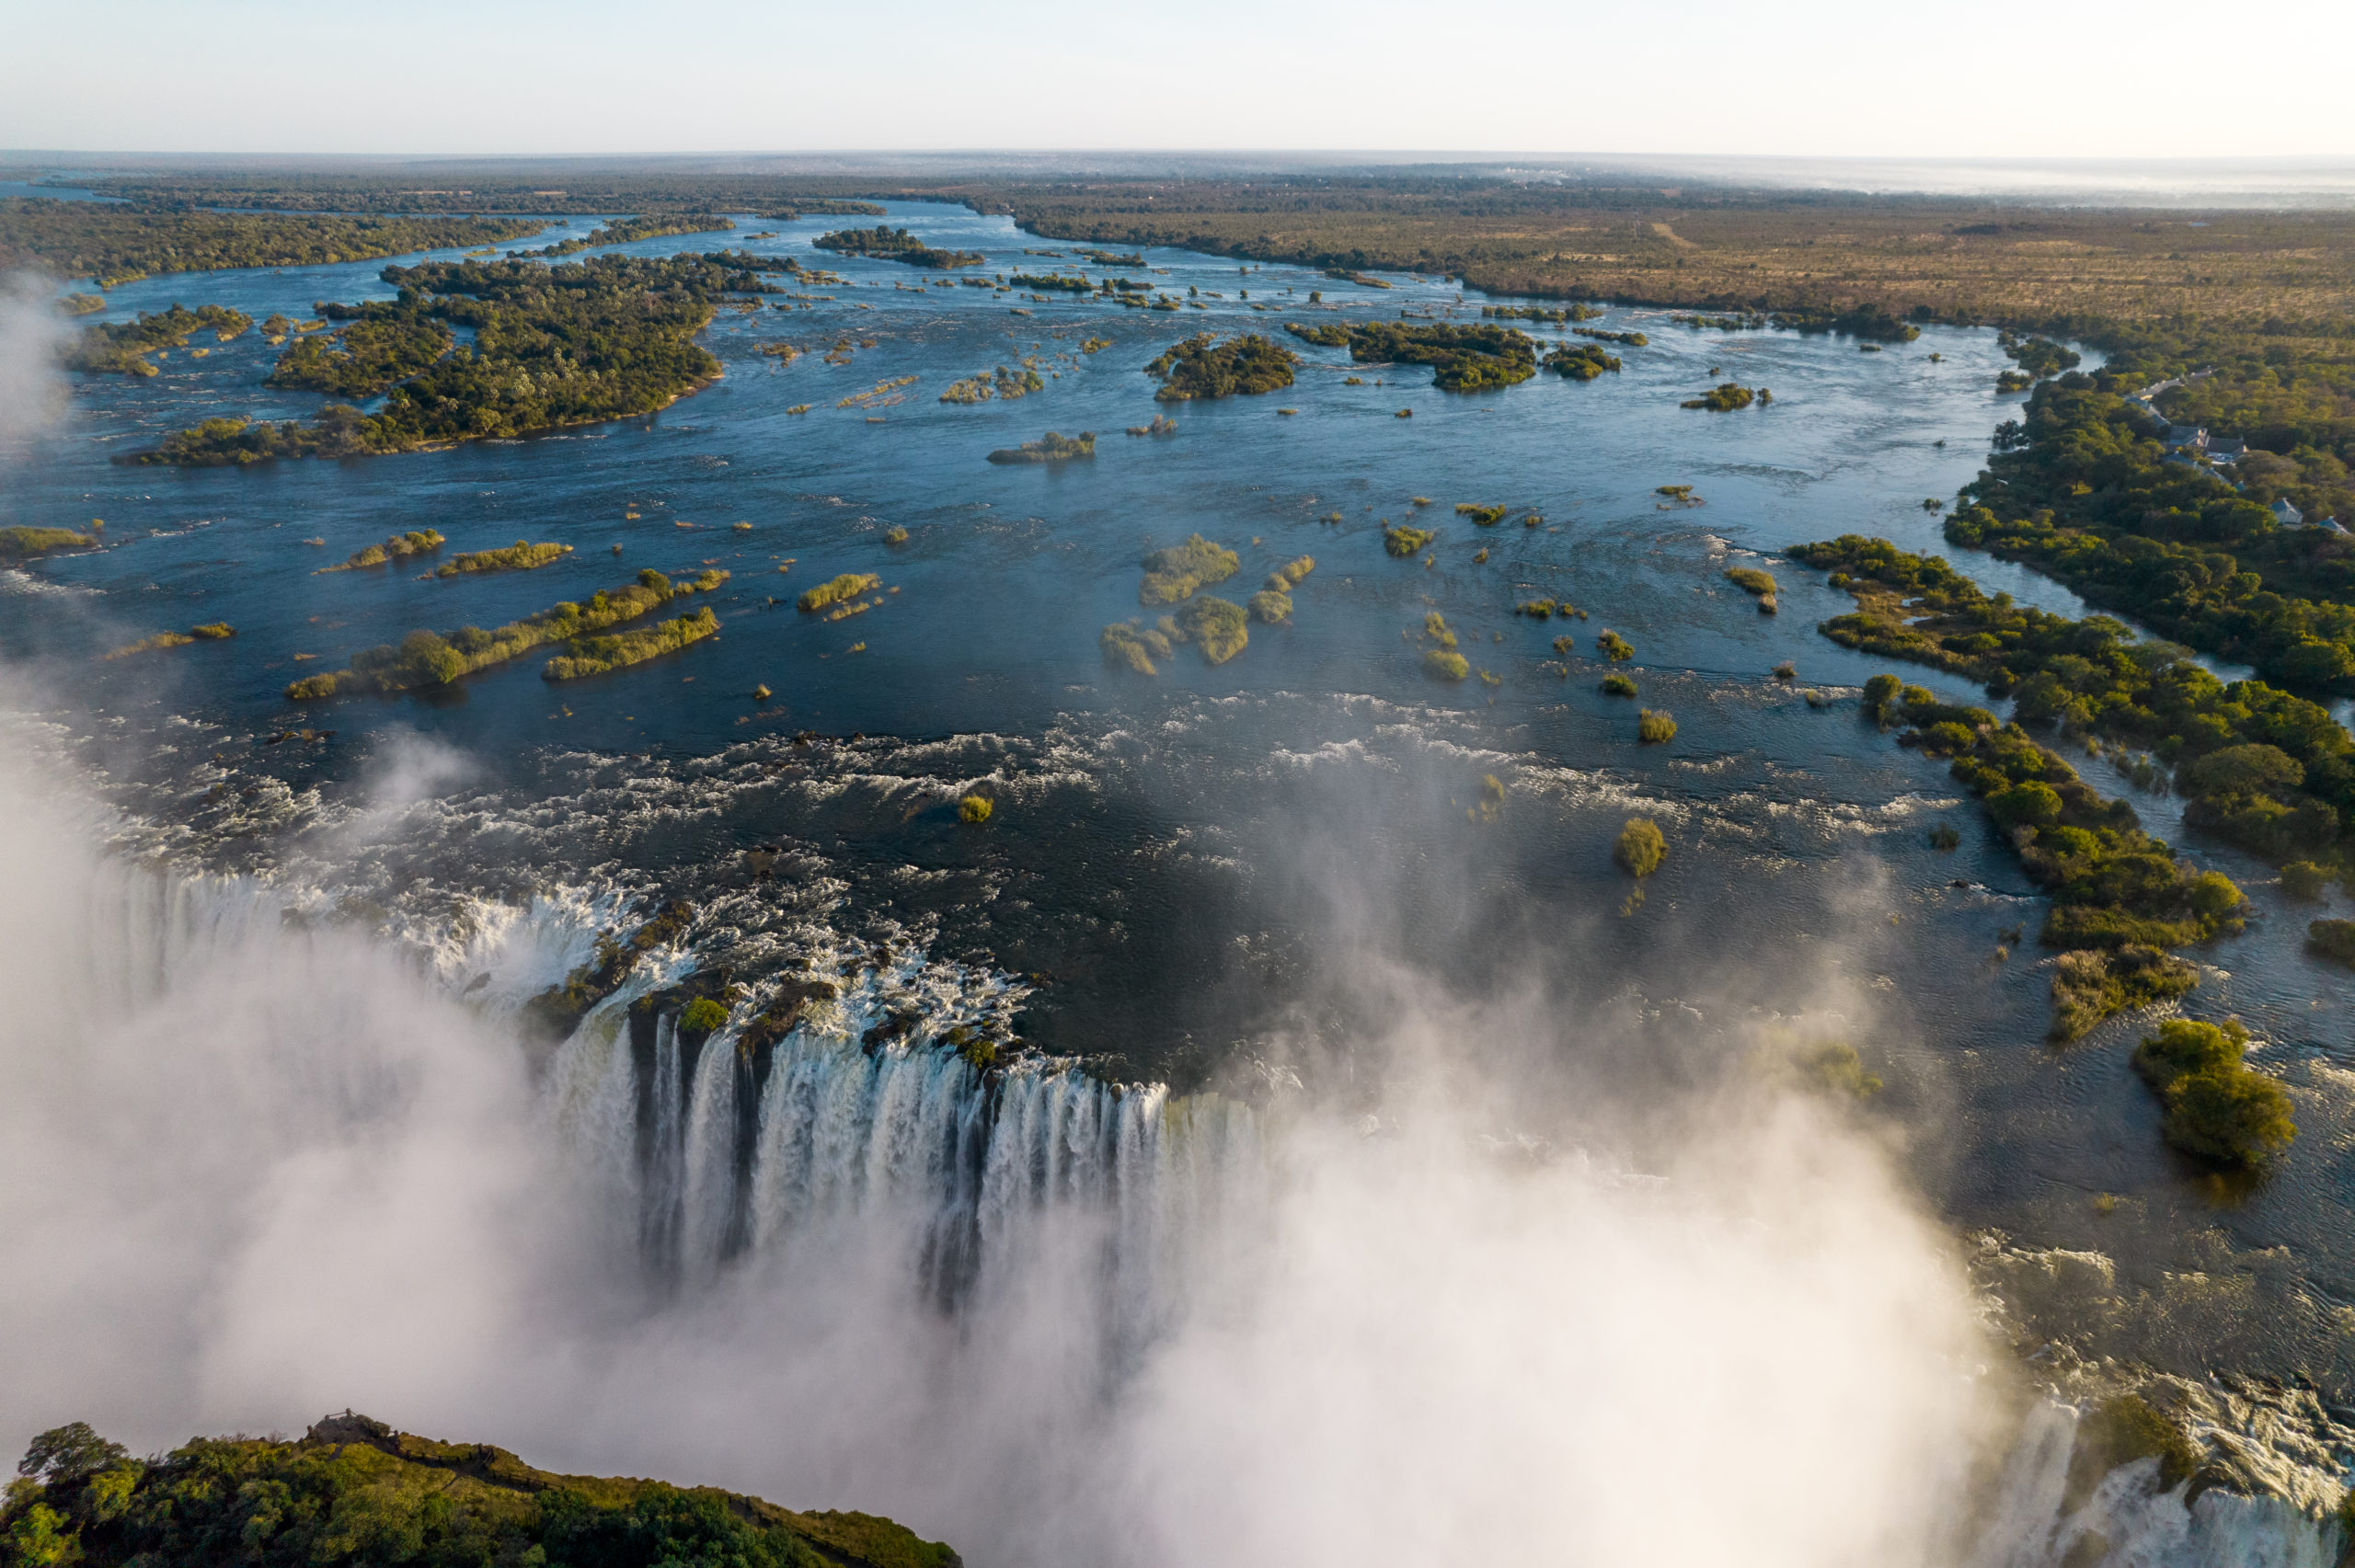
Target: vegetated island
[
  {"x": 425, "y": 659},
  {"x": 1727, "y": 396},
  {"x": 1582, "y": 362},
  {"x": 1441, "y": 661},
  {"x": 1404, "y": 542},
  {"x": 1176, "y": 573},
  {"x": 1750, "y": 579},
  {"x": 2218, "y": 1108},
  {"x": 214, "y": 631},
  {"x": 386, "y": 344},
  {"x": 399, "y": 547},
  {"x": 896, "y": 245},
  {"x": 571, "y": 344},
  {"x": 122, "y": 346},
  {"x": 520, "y": 557},
  {"x": 1462, "y": 358},
  {"x": 842, "y": 597},
  {"x": 116, "y": 244},
  {"x": 1201, "y": 366},
  {"x": 1005, "y": 384},
  {"x": 602, "y": 655},
  {"x": 353, "y": 1492},
  {"x": 1052, "y": 447},
  {"x": 622, "y": 231},
  {"x": 25, "y": 544}
]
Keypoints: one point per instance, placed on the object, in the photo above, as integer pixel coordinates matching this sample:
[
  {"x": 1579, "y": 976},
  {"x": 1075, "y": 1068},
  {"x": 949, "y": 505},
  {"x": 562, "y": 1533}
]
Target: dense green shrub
[
  {"x": 1641, "y": 848},
  {"x": 2217, "y": 1107}
]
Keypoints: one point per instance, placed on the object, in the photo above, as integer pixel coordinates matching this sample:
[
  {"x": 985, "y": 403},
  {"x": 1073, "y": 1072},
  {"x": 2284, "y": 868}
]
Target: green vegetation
[
  {"x": 1679, "y": 495},
  {"x": 1271, "y": 605},
  {"x": 116, "y": 244},
  {"x": 425, "y": 659},
  {"x": 558, "y": 1011},
  {"x": 597, "y": 656},
  {"x": 1219, "y": 629},
  {"x": 1064, "y": 283},
  {"x": 2334, "y": 940},
  {"x": 81, "y": 304},
  {"x": 1654, "y": 729},
  {"x": 2014, "y": 381},
  {"x": 23, "y": 544},
  {"x": 842, "y": 589},
  {"x": 1404, "y": 542},
  {"x": 2040, "y": 356},
  {"x": 2125, "y": 1428},
  {"x": 354, "y": 1494},
  {"x": 1539, "y": 313},
  {"x": 1724, "y": 398},
  {"x": 895, "y": 536},
  {"x": 1162, "y": 425},
  {"x": 1462, "y": 358},
  {"x": 1049, "y": 448},
  {"x": 1617, "y": 685},
  {"x": 1632, "y": 339},
  {"x": 974, "y": 809},
  {"x": 399, "y": 547},
  {"x": 1641, "y": 848},
  {"x": 152, "y": 643},
  {"x": 1750, "y": 579},
  {"x": 212, "y": 631},
  {"x": 1095, "y": 345},
  {"x": 1541, "y": 608},
  {"x": 896, "y": 245},
  {"x": 2217, "y": 1106},
  {"x": 1445, "y": 664},
  {"x": 2269, "y": 771},
  {"x": 702, "y": 1016},
  {"x": 1288, "y": 575},
  {"x": 1175, "y": 574},
  {"x": 1127, "y": 645},
  {"x": 1204, "y": 367},
  {"x": 1582, "y": 362},
  {"x": 1006, "y": 384},
  {"x": 1487, "y": 517},
  {"x": 386, "y": 345},
  {"x": 622, "y": 231},
  {"x": 553, "y": 346},
  {"x": 1613, "y": 646},
  {"x": 122, "y": 347},
  {"x": 520, "y": 557}
]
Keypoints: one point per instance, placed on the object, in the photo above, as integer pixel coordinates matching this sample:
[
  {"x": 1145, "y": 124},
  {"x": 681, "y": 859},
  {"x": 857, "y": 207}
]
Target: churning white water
[{"x": 253, "y": 1167}]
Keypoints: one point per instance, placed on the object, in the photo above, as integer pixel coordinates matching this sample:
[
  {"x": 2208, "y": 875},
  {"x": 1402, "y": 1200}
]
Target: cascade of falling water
[{"x": 709, "y": 1197}]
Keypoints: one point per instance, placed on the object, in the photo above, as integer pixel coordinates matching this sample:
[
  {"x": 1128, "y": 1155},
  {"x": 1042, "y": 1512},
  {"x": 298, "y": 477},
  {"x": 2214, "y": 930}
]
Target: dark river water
[{"x": 1191, "y": 870}]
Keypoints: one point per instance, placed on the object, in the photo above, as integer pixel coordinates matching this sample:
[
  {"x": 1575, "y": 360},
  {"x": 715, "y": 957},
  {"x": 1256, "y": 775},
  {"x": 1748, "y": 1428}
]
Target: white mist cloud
[
  {"x": 32, "y": 388},
  {"x": 250, "y": 1173}
]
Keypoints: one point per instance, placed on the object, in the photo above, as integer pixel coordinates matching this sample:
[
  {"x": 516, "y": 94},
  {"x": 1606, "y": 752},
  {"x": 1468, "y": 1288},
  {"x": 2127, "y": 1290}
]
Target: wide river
[{"x": 1191, "y": 871}]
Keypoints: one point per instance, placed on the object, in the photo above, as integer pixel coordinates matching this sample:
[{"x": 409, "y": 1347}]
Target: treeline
[
  {"x": 1462, "y": 358},
  {"x": 2265, "y": 769},
  {"x": 388, "y": 344},
  {"x": 622, "y": 231},
  {"x": 115, "y": 243},
  {"x": 895, "y": 244},
  {"x": 553, "y": 346},
  {"x": 122, "y": 347}
]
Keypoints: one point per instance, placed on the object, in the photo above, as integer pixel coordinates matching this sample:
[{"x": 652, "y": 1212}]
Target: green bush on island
[
  {"x": 1750, "y": 579},
  {"x": 1723, "y": 399},
  {"x": 625, "y": 231},
  {"x": 1559, "y": 315},
  {"x": 2303, "y": 880},
  {"x": 1219, "y": 629},
  {"x": 841, "y": 591},
  {"x": 353, "y": 1492},
  {"x": 1160, "y": 425},
  {"x": 1204, "y": 367},
  {"x": 1052, "y": 447},
  {"x": 701, "y": 1016},
  {"x": 23, "y": 544},
  {"x": 1271, "y": 606},
  {"x": 520, "y": 557},
  {"x": 1127, "y": 645},
  {"x": 400, "y": 546},
  {"x": 1174, "y": 574},
  {"x": 1404, "y": 542},
  {"x": 1444, "y": 664},
  {"x": 212, "y": 631},
  {"x": 1641, "y": 848},
  {"x": 81, "y": 304},
  {"x": 1293, "y": 571},
  {"x": 2217, "y": 1106},
  {"x": 1537, "y": 609},
  {"x": 1067, "y": 282},
  {"x": 122, "y": 347},
  {"x": 2334, "y": 940},
  {"x": 1582, "y": 362},
  {"x": 1487, "y": 517},
  {"x": 1833, "y": 1068},
  {"x": 599, "y": 655},
  {"x": 1006, "y": 384},
  {"x": 2014, "y": 381},
  {"x": 1617, "y": 685},
  {"x": 974, "y": 809},
  {"x": 1654, "y": 729},
  {"x": 896, "y": 245},
  {"x": 1462, "y": 358},
  {"x": 1632, "y": 339},
  {"x": 386, "y": 344},
  {"x": 1614, "y": 648},
  {"x": 153, "y": 643},
  {"x": 424, "y": 659}
]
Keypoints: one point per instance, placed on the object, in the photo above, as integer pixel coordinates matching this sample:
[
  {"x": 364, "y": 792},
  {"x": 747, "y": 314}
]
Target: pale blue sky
[{"x": 2154, "y": 78}]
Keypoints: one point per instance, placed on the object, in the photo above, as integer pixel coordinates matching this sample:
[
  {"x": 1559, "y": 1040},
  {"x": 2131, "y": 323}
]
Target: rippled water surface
[{"x": 1189, "y": 870}]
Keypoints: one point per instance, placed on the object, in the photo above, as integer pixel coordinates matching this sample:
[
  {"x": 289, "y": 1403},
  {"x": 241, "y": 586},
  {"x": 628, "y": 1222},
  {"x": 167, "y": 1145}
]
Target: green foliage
[
  {"x": 1271, "y": 606},
  {"x": 1219, "y": 629},
  {"x": 1654, "y": 729},
  {"x": 622, "y": 231},
  {"x": 1833, "y": 1068},
  {"x": 354, "y": 1494},
  {"x": 2125, "y": 1428},
  {"x": 122, "y": 347},
  {"x": 840, "y": 590},
  {"x": 519, "y": 556},
  {"x": 1175, "y": 574},
  {"x": 113, "y": 243},
  {"x": 1126, "y": 646},
  {"x": 1006, "y": 383},
  {"x": 896, "y": 245},
  {"x": 2217, "y": 1106},
  {"x": 1750, "y": 579},
  {"x": 1444, "y": 664},
  {"x": 1462, "y": 358},
  {"x": 212, "y": 631},
  {"x": 1404, "y": 542},
  {"x": 2304, "y": 880},
  {"x": 702, "y": 1016},
  {"x": 602, "y": 655},
  {"x": 2334, "y": 940},
  {"x": 1632, "y": 339},
  {"x": 22, "y": 543},
  {"x": 1614, "y": 648},
  {"x": 1724, "y": 398},
  {"x": 1617, "y": 685},
  {"x": 1641, "y": 848},
  {"x": 1204, "y": 367},
  {"x": 574, "y": 344},
  {"x": 400, "y": 546},
  {"x": 387, "y": 346},
  {"x": 974, "y": 809},
  {"x": 1052, "y": 447},
  {"x": 1583, "y": 361},
  {"x": 1487, "y": 517}
]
